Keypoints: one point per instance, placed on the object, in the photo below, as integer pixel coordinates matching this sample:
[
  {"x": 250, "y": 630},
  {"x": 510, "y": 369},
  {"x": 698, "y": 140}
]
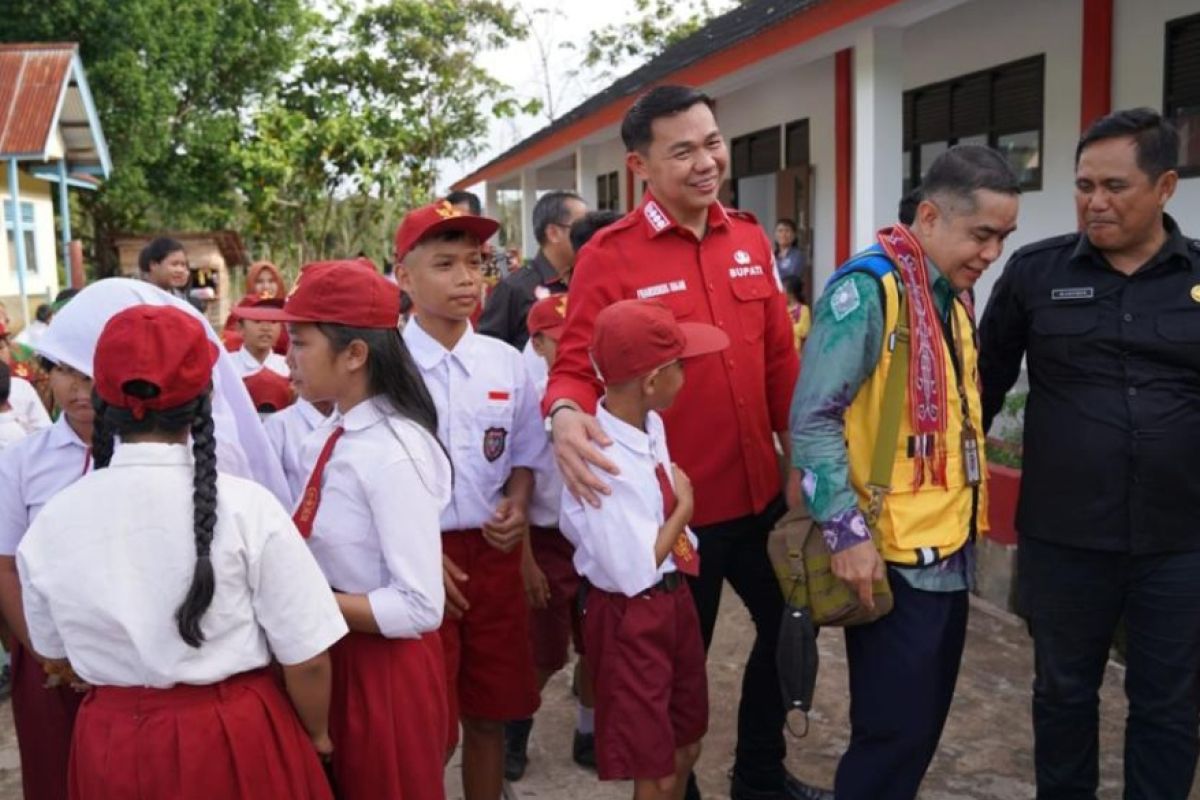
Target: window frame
[
  {"x": 14, "y": 225},
  {"x": 1171, "y": 102},
  {"x": 994, "y": 128},
  {"x": 608, "y": 191}
]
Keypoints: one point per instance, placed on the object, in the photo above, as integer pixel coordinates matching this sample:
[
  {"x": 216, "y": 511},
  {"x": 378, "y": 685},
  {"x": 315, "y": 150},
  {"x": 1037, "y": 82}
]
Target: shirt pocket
[
  {"x": 682, "y": 303},
  {"x": 752, "y": 295},
  {"x": 1060, "y": 333},
  {"x": 1179, "y": 333},
  {"x": 488, "y": 444}
]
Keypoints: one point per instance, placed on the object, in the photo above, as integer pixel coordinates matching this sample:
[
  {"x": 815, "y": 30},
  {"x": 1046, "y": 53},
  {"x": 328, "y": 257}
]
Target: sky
[{"x": 555, "y": 23}]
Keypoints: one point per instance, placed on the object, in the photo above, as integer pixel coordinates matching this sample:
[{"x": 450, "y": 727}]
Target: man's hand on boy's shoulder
[{"x": 576, "y": 436}]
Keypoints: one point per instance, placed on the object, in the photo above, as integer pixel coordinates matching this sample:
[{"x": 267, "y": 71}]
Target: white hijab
[{"x": 242, "y": 445}]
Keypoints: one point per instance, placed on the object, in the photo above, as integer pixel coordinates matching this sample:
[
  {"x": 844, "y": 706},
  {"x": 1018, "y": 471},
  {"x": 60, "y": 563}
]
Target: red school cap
[
  {"x": 264, "y": 300},
  {"x": 163, "y": 346},
  {"x": 269, "y": 388},
  {"x": 548, "y": 316},
  {"x": 439, "y": 217},
  {"x": 633, "y": 338},
  {"x": 350, "y": 293}
]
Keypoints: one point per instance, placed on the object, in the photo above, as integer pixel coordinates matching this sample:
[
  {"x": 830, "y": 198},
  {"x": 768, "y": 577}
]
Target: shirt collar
[
  {"x": 623, "y": 433},
  {"x": 364, "y": 415},
  {"x": 546, "y": 273},
  {"x": 63, "y": 435},
  {"x": 943, "y": 292},
  {"x": 1175, "y": 245},
  {"x": 309, "y": 413},
  {"x": 658, "y": 220},
  {"x": 429, "y": 352},
  {"x": 151, "y": 454}
]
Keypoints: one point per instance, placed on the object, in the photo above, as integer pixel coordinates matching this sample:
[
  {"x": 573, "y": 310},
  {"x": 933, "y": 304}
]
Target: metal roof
[{"x": 43, "y": 91}]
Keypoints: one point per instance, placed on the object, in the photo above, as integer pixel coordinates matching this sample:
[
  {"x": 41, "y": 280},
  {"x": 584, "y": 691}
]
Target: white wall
[
  {"x": 986, "y": 33},
  {"x": 43, "y": 282},
  {"x": 790, "y": 94},
  {"x": 1138, "y": 50}
]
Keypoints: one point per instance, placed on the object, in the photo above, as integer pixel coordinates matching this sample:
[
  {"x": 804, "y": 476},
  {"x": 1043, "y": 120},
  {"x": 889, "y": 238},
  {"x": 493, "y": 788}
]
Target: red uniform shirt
[{"x": 720, "y": 427}]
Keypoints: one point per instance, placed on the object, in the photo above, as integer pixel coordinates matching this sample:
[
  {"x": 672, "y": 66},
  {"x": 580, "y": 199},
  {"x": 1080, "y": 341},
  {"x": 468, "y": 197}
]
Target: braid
[
  {"x": 204, "y": 515},
  {"x": 102, "y": 434}
]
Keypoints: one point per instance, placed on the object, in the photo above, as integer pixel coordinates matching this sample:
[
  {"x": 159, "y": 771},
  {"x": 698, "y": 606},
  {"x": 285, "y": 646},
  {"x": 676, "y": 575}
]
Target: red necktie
[
  {"x": 310, "y": 501},
  {"x": 687, "y": 560}
]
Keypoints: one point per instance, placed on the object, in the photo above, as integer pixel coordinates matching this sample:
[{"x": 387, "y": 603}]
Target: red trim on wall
[
  {"x": 1096, "y": 89},
  {"x": 801, "y": 28},
  {"x": 843, "y": 123}
]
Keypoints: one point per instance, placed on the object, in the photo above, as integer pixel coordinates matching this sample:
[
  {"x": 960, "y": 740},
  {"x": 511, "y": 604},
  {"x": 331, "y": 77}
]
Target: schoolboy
[
  {"x": 488, "y": 421},
  {"x": 641, "y": 630},
  {"x": 258, "y": 338}
]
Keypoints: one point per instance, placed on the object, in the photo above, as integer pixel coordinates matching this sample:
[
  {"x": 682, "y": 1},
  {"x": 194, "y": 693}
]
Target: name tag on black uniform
[{"x": 1074, "y": 293}]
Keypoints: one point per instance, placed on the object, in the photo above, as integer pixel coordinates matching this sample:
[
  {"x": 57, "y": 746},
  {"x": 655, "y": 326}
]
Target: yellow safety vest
[{"x": 929, "y": 523}]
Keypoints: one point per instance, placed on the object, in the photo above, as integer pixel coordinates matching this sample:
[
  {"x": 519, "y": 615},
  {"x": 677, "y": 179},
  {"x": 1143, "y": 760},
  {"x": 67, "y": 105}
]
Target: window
[
  {"x": 1181, "y": 89},
  {"x": 999, "y": 107},
  {"x": 795, "y": 142},
  {"x": 608, "y": 192},
  {"x": 756, "y": 153},
  {"x": 26, "y": 229}
]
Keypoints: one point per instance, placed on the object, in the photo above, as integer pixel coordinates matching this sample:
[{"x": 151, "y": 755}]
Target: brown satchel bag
[{"x": 798, "y": 552}]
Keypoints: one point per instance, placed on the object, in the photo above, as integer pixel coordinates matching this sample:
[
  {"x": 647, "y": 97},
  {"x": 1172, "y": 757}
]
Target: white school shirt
[
  {"x": 11, "y": 429},
  {"x": 287, "y": 430},
  {"x": 488, "y": 417},
  {"x": 30, "y": 410},
  {"x": 34, "y": 470},
  {"x": 101, "y": 589},
  {"x": 545, "y": 504},
  {"x": 614, "y": 544},
  {"x": 247, "y": 364},
  {"x": 376, "y": 529}
]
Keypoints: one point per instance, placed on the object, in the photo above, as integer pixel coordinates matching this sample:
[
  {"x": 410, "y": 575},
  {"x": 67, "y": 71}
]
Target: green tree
[
  {"x": 390, "y": 90},
  {"x": 170, "y": 81}
]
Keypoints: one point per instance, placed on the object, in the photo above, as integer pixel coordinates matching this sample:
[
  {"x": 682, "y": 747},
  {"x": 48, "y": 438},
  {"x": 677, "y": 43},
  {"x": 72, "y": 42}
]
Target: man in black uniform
[
  {"x": 509, "y": 303},
  {"x": 1109, "y": 514}
]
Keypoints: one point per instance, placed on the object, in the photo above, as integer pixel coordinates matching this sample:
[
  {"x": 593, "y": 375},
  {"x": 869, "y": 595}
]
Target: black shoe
[
  {"x": 583, "y": 750},
  {"x": 793, "y": 789},
  {"x": 693, "y": 791},
  {"x": 516, "y": 747}
]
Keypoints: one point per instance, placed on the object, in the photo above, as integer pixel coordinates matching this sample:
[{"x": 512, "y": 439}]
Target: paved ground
[{"x": 986, "y": 752}]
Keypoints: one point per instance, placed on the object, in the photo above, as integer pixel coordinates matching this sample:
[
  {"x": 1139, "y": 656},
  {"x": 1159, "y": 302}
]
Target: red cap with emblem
[
  {"x": 548, "y": 316},
  {"x": 261, "y": 300},
  {"x": 439, "y": 217},
  {"x": 633, "y": 338},
  {"x": 269, "y": 390},
  {"x": 350, "y": 293},
  {"x": 162, "y": 346}
]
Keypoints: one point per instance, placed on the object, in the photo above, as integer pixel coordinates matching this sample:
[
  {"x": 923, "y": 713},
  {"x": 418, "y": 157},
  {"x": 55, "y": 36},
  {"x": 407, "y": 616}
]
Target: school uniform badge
[{"x": 494, "y": 442}]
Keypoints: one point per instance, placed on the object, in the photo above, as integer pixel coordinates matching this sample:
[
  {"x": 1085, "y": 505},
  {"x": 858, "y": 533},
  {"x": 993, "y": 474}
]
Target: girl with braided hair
[
  {"x": 174, "y": 633},
  {"x": 370, "y": 512}
]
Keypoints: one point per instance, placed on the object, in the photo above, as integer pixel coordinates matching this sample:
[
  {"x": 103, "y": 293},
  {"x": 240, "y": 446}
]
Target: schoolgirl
[
  {"x": 174, "y": 632},
  {"x": 370, "y": 512}
]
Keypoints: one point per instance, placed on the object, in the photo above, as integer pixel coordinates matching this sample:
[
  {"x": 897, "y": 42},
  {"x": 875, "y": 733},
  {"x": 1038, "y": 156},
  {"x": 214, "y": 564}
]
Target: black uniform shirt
[
  {"x": 1112, "y": 423},
  {"x": 509, "y": 303}
]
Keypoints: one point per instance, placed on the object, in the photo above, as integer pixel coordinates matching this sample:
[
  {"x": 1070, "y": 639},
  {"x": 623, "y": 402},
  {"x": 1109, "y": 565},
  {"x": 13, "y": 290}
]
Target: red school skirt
[
  {"x": 237, "y": 739},
  {"x": 388, "y": 717},
  {"x": 44, "y": 719}
]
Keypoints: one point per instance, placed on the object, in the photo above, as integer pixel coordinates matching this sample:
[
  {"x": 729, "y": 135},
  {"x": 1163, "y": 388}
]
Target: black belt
[{"x": 669, "y": 583}]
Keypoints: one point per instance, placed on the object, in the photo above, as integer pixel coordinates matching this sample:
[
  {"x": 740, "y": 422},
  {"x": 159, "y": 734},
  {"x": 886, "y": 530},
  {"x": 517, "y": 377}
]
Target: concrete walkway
[{"x": 986, "y": 751}]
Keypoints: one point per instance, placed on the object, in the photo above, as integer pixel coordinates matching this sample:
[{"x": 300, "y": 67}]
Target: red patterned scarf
[{"x": 926, "y": 364}]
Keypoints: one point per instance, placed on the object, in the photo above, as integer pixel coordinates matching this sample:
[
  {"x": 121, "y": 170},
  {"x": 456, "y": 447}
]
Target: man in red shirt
[{"x": 713, "y": 265}]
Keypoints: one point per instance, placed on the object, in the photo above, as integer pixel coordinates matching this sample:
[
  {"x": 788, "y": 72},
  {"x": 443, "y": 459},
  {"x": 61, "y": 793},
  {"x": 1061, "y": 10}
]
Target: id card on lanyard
[{"x": 972, "y": 464}]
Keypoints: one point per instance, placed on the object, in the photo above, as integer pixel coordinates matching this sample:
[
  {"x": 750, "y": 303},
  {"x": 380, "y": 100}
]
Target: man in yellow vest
[{"x": 915, "y": 281}]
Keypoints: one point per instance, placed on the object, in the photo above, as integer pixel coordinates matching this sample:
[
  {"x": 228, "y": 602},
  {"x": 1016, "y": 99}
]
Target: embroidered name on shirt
[
  {"x": 1074, "y": 293},
  {"x": 745, "y": 272},
  {"x": 655, "y": 216},
  {"x": 660, "y": 289}
]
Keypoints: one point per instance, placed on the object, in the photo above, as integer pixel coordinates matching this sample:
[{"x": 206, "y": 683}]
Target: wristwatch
[{"x": 549, "y": 421}]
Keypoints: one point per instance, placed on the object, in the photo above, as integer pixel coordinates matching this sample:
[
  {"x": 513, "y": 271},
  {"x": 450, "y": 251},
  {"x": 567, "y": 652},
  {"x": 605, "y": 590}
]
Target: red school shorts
[
  {"x": 44, "y": 719},
  {"x": 238, "y": 738},
  {"x": 559, "y": 624},
  {"x": 651, "y": 688},
  {"x": 489, "y": 659}
]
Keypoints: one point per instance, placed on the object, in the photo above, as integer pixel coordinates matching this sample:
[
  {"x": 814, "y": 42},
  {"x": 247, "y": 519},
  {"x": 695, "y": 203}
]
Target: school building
[
  {"x": 834, "y": 108},
  {"x": 50, "y": 142}
]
